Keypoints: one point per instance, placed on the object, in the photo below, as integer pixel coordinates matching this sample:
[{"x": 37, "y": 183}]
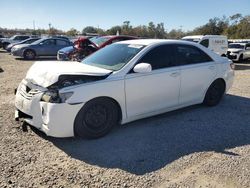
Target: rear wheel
[
  {"x": 214, "y": 93},
  {"x": 96, "y": 118},
  {"x": 29, "y": 54}
]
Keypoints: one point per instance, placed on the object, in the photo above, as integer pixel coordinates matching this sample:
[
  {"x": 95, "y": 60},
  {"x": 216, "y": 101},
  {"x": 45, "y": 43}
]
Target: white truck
[{"x": 216, "y": 43}]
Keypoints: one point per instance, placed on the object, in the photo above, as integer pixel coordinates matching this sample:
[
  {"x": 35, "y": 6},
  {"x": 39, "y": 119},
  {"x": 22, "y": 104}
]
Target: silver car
[{"x": 44, "y": 47}]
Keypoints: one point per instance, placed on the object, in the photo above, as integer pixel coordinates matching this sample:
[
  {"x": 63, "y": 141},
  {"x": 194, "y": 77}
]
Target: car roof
[{"x": 148, "y": 42}]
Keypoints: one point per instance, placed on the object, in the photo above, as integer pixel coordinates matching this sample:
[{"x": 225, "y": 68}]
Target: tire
[
  {"x": 96, "y": 118},
  {"x": 241, "y": 58},
  {"x": 29, "y": 54},
  {"x": 5, "y": 45},
  {"x": 214, "y": 93}
]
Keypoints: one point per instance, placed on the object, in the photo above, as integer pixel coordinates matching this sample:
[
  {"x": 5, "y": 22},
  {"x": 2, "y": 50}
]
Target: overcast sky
[{"x": 62, "y": 14}]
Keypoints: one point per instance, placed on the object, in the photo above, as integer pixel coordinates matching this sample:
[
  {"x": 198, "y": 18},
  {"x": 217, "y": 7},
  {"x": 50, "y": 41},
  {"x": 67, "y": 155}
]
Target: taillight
[{"x": 232, "y": 66}]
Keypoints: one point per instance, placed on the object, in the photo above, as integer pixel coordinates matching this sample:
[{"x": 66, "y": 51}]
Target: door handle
[{"x": 175, "y": 74}]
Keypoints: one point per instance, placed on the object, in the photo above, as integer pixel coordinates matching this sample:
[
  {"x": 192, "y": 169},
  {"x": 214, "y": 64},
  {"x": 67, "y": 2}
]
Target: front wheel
[
  {"x": 214, "y": 93},
  {"x": 96, "y": 118},
  {"x": 29, "y": 55}
]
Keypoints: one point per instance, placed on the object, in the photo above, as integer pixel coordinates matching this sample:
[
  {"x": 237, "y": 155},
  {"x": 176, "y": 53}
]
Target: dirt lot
[{"x": 193, "y": 147}]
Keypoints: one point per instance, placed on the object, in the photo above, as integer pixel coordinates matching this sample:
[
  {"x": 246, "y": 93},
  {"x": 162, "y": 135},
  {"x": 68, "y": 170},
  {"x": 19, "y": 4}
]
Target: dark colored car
[
  {"x": 43, "y": 47},
  {"x": 85, "y": 46},
  {"x": 27, "y": 41}
]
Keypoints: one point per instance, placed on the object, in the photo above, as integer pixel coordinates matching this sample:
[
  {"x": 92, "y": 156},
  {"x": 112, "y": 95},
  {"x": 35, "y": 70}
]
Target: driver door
[{"x": 156, "y": 90}]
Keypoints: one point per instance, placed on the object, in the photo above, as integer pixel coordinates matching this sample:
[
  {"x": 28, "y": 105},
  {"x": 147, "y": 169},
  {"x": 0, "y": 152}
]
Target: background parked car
[
  {"x": 27, "y": 41},
  {"x": 16, "y": 38},
  {"x": 238, "y": 51},
  {"x": 42, "y": 47},
  {"x": 216, "y": 43},
  {"x": 85, "y": 46}
]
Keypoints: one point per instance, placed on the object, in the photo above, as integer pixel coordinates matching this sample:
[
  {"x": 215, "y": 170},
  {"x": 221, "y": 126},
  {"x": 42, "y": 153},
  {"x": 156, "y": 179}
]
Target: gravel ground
[{"x": 193, "y": 147}]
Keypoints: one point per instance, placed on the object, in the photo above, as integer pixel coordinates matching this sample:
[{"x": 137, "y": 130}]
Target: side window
[
  {"x": 17, "y": 38},
  {"x": 23, "y": 37},
  {"x": 205, "y": 43},
  {"x": 160, "y": 57},
  {"x": 49, "y": 42},
  {"x": 187, "y": 54},
  {"x": 61, "y": 42}
]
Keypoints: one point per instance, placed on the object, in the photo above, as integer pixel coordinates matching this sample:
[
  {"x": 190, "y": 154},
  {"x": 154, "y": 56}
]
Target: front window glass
[
  {"x": 113, "y": 57},
  {"x": 160, "y": 57}
]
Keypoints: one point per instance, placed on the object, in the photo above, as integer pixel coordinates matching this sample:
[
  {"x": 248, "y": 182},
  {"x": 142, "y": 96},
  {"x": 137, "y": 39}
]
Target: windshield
[
  {"x": 240, "y": 46},
  {"x": 113, "y": 57},
  {"x": 98, "y": 41}
]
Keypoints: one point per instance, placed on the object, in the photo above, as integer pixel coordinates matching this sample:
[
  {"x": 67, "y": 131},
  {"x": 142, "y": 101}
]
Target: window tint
[
  {"x": 61, "y": 42},
  {"x": 160, "y": 57},
  {"x": 205, "y": 43},
  {"x": 187, "y": 54},
  {"x": 49, "y": 42}
]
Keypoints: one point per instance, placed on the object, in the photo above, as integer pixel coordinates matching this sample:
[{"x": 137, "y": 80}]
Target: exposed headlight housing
[{"x": 53, "y": 96}]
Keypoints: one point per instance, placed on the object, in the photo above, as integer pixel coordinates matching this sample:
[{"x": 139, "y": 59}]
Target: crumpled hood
[
  {"x": 234, "y": 49},
  {"x": 46, "y": 73}
]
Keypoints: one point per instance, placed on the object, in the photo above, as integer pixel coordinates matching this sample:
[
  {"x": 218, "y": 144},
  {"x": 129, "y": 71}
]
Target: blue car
[{"x": 47, "y": 47}]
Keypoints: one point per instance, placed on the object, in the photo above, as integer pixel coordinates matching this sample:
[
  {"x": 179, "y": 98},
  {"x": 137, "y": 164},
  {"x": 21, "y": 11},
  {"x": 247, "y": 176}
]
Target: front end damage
[{"x": 54, "y": 118}]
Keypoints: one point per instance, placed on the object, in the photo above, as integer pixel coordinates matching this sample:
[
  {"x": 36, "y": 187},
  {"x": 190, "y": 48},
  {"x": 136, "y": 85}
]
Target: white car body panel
[
  {"x": 139, "y": 95},
  {"x": 150, "y": 96}
]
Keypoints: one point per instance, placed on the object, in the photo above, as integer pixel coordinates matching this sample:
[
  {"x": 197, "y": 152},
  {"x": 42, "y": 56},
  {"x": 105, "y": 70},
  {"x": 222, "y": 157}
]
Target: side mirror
[
  {"x": 41, "y": 43},
  {"x": 142, "y": 68}
]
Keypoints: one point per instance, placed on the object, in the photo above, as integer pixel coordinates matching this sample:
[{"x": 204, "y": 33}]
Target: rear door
[
  {"x": 156, "y": 90},
  {"x": 59, "y": 45},
  {"x": 197, "y": 72}
]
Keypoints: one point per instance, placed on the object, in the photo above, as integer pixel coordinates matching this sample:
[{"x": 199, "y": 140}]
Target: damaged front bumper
[{"x": 54, "y": 119}]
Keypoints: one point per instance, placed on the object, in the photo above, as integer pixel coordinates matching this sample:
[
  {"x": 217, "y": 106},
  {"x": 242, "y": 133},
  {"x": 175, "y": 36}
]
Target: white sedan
[{"x": 120, "y": 83}]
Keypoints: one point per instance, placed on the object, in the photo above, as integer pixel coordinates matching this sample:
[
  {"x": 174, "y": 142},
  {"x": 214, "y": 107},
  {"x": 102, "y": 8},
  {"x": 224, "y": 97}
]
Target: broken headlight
[{"x": 53, "y": 96}]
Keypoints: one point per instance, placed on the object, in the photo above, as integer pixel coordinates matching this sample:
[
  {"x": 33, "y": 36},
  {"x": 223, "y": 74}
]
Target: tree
[
  {"x": 113, "y": 30},
  {"x": 72, "y": 32},
  {"x": 89, "y": 29}
]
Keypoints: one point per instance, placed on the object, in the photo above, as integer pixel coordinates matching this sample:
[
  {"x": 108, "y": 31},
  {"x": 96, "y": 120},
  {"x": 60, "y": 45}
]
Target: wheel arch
[
  {"x": 120, "y": 112},
  {"x": 217, "y": 79},
  {"x": 25, "y": 50}
]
